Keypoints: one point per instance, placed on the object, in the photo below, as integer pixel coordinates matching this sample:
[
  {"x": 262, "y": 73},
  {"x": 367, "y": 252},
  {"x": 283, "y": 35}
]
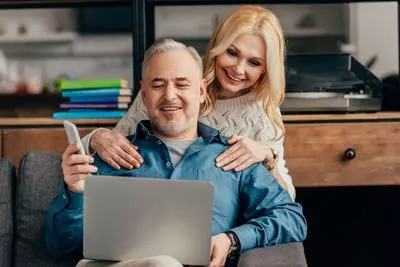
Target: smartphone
[{"x": 73, "y": 135}]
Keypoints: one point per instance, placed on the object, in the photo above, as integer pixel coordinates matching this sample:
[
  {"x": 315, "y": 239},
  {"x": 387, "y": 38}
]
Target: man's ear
[
  {"x": 142, "y": 89},
  {"x": 203, "y": 90}
]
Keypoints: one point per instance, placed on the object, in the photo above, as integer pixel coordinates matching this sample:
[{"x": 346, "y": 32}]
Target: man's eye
[
  {"x": 183, "y": 86},
  {"x": 157, "y": 86}
]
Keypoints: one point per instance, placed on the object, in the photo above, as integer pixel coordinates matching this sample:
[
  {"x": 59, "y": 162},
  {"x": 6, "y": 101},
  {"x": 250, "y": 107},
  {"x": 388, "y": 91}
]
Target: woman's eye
[
  {"x": 231, "y": 52},
  {"x": 254, "y": 63}
]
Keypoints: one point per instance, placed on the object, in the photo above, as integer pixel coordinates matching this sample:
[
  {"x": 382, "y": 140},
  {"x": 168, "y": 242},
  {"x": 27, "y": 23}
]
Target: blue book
[
  {"x": 89, "y": 114},
  {"x": 101, "y": 99},
  {"x": 97, "y": 92}
]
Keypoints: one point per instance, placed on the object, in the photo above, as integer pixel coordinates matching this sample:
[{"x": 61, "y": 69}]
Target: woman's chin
[{"x": 233, "y": 91}]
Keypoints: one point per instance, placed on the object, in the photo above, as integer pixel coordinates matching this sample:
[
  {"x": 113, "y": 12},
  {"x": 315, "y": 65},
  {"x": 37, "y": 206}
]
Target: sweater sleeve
[
  {"x": 136, "y": 113},
  {"x": 281, "y": 165},
  {"x": 127, "y": 125}
]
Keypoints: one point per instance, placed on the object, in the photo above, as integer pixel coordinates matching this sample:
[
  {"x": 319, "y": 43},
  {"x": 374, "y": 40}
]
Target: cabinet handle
[{"x": 349, "y": 154}]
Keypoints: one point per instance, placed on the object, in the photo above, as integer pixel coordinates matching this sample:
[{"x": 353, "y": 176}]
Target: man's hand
[
  {"x": 115, "y": 149},
  {"x": 76, "y": 167},
  {"x": 220, "y": 247}
]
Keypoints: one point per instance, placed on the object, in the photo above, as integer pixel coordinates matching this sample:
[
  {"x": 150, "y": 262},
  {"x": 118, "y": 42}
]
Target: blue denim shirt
[{"x": 250, "y": 203}]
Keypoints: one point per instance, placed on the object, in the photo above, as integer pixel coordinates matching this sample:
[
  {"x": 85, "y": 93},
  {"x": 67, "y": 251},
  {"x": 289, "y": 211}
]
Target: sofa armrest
[{"x": 290, "y": 255}]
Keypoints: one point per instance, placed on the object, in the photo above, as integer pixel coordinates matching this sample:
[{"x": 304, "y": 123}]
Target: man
[{"x": 250, "y": 209}]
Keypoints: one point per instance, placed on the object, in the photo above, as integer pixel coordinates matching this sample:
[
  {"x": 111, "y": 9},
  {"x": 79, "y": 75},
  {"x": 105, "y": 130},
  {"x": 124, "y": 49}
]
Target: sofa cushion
[
  {"x": 38, "y": 182},
  {"x": 7, "y": 179}
]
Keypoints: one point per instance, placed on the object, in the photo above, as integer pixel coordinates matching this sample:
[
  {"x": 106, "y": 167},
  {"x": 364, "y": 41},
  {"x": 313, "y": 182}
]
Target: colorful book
[
  {"x": 97, "y": 92},
  {"x": 101, "y": 99},
  {"x": 94, "y": 105},
  {"x": 89, "y": 114},
  {"x": 92, "y": 84}
]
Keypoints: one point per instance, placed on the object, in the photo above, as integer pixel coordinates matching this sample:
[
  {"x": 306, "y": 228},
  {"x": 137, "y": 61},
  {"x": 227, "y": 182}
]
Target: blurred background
[{"x": 38, "y": 47}]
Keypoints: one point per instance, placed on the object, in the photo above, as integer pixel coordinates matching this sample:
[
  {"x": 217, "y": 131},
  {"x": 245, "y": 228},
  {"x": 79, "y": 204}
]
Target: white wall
[
  {"x": 199, "y": 21},
  {"x": 374, "y": 31}
]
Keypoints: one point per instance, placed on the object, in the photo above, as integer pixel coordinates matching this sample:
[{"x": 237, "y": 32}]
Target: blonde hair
[
  {"x": 166, "y": 44},
  {"x": 270, "y": 87}
]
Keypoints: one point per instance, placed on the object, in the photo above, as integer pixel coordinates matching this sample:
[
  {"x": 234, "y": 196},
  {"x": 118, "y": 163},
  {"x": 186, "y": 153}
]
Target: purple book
[{"x": 94, "y": 105}]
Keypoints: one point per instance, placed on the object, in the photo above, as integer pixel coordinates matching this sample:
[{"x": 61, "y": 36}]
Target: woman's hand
[
  {"x": 115, "y": 149},
  {"x": 243, "y": 153}
]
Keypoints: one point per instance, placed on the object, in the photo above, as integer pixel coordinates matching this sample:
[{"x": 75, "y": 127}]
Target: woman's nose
[{"x": 240, "y": 67}]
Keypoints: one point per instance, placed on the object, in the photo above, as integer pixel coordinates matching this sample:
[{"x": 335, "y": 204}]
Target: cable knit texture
[{"x": 240, "y": 115}]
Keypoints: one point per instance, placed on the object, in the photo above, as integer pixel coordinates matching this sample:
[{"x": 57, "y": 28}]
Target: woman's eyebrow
[{"x": 240, "y": 52}]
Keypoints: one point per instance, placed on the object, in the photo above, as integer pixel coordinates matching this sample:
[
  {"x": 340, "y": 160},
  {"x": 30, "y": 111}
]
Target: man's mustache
[{"x": 169, "y": 104}]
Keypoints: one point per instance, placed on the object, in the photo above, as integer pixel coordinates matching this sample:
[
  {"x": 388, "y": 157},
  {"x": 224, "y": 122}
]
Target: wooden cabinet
[
  {"x": 20, "y": 135},
  {"x": 16, "y": 142},
  {"x": 315, "y": 146},
  {"x": 315, "y": 153}
]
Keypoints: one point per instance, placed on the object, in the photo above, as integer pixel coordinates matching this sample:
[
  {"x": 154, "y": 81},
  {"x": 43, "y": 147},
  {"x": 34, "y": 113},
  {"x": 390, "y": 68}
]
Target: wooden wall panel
[
  {"x": 314, "y": 153},
  {"x": 16, "y": 142}
]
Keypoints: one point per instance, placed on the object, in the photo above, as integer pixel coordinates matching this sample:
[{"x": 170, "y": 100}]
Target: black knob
[{"x": 349, "y": 154}]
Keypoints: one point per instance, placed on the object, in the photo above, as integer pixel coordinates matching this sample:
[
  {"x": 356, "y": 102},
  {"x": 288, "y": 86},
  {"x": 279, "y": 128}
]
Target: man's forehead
[{"x": 175, "y": 62}]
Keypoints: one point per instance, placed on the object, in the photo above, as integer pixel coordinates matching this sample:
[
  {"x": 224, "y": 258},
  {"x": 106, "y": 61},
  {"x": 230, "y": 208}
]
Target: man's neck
[{"x": 184, "y": 136}]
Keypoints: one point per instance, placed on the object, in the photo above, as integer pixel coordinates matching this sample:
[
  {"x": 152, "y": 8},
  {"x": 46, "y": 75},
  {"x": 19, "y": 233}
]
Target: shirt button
[
  {"x": 64, "y": 197},
  {"x": 158, "y": 142},
  {"x": 168, "y": 164}
]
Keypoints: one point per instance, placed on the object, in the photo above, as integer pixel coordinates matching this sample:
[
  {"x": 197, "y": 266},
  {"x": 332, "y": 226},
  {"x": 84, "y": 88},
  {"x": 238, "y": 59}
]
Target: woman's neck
[{"x": 226, "y": 94}]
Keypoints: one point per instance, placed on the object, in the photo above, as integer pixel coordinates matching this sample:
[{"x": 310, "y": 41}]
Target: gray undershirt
[{"x": 177, "y": 149}]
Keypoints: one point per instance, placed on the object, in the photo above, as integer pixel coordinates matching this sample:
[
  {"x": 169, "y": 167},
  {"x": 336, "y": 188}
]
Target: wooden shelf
[
  {"x": 62, "y": 37},
  {"x": 49, "y": 122},
  {"x": 350, "y": 117},
  {"x": 55, "y": 3},
  {"x": 290, "y": 119}
]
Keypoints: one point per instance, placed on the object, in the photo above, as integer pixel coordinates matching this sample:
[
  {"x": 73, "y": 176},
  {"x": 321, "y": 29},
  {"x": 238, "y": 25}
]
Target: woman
[{"x": 244, "y": 69}]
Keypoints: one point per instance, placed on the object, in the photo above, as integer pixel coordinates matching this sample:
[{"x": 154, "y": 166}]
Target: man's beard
[{"x": 169, "y": 128}]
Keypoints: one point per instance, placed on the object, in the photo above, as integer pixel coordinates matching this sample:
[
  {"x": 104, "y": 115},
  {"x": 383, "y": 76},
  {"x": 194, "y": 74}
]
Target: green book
[{"x": 93, "y": 84}]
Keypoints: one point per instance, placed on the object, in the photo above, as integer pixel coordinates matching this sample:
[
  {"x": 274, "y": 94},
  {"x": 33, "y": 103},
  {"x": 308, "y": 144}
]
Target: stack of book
[{"x": 89, "y": 99}]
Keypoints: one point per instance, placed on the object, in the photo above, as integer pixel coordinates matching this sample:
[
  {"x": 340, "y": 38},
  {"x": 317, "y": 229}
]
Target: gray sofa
[{"x": 24, "y": 199}]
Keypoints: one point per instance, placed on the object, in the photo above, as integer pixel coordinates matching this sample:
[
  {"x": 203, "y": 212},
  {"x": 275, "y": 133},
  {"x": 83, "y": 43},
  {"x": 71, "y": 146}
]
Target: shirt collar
[{"x": 209, "y": 134}]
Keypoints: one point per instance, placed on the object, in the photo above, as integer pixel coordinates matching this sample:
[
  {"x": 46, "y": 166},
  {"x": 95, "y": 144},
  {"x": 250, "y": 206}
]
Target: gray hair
[{"x": 165, "y": 44}]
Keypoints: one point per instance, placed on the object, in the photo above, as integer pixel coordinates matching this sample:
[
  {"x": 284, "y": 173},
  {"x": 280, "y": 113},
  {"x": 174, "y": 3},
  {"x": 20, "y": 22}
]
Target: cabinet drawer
[
  {"x": 16, "y": 142},
  {"x": 315, "y": 153}
]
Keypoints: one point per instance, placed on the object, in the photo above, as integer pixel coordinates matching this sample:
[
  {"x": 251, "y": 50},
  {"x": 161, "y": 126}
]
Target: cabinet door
[
  {"x": 16, "y": 142},
  {"x": 315, "y": 154}
]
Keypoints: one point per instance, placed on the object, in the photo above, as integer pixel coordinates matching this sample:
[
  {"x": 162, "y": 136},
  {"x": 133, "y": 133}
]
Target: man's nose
[{"x": 170, "y": 92}]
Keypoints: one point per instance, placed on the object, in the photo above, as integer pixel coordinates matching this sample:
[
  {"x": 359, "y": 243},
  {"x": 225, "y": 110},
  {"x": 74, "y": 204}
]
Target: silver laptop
[{"x": 133, "y": 217}]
